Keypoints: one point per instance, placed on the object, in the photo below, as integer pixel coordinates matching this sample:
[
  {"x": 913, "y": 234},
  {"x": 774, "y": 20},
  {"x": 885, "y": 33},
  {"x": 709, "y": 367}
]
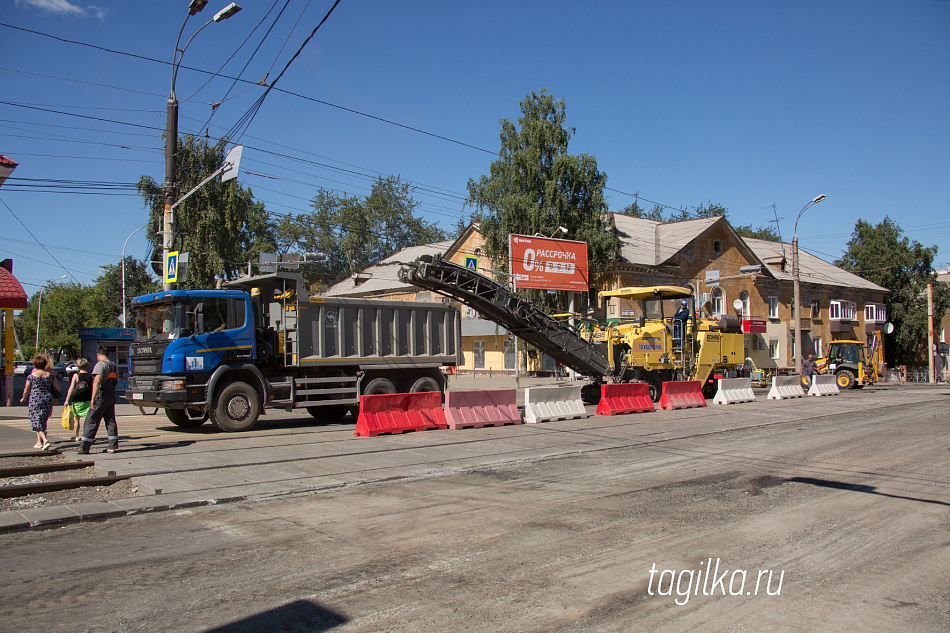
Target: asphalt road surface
[{"x": 834, "y": 523}]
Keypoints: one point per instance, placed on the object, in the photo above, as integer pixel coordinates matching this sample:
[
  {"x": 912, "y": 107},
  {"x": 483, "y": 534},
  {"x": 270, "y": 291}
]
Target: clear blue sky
[{"x": 745, "y": 104}]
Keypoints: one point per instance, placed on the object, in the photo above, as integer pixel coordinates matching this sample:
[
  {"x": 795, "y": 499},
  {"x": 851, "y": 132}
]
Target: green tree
[
  {"x": 355, "y": 233},
  {"x": 220, "y": 226},
  {"x": 62, "y": 314},
  {"x": 883, "y": 255},
  {"x": 103, "y": 301},
  {"x": 535, "y": 186},
  {"x": 635, "y": 210}
]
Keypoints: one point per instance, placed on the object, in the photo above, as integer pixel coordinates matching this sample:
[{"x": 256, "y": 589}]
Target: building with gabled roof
[{"x": 750, "y": 278}]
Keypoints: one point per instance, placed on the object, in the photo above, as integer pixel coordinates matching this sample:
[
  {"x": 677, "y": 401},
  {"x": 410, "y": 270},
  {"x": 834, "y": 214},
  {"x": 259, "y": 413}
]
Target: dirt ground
[{"x": 846, "y": 518}]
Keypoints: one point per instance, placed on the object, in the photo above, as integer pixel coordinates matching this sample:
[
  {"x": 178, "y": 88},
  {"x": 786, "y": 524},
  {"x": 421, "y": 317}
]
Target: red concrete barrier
[
  {"x": 478, "y": 408},
  {"x": 400, "y": 412},
  {"x": 626, "y": 397},
  {"x": 682, "y": 395}
]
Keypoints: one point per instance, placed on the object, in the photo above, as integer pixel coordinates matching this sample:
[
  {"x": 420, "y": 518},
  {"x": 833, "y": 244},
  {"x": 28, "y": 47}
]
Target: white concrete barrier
[
  {"x": 733, "y": 390},
  {"x": 824, "y": 385},
  {"x": 786, "y": 387},
  {"x": 543, "y": 404}
]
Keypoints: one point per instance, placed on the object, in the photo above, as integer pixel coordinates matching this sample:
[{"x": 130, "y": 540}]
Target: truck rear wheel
[
  {"x": 237, "y": 408},
  {"x": 845, "y": 379},
  {"x": 329, "y": 413},
  {"x": 378, "y": 386},
  {"x": 424, "y": 384},
  {"x": 181, "y": 418}
]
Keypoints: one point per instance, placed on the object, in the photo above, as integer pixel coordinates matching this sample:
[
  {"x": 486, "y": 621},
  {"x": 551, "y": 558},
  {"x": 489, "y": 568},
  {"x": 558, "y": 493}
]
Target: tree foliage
[
  {"x": 883, "y": 255},
  {"x": 354, "y": 232},
  {"x": 535, "y": 186},
  {"x": 104, "y": 299},
  {"x": 220, "y": 226},
  {"x": 700, "y": 211},
  {"x": 68, "y": 307},
  {"x": 62, "y": 312}
]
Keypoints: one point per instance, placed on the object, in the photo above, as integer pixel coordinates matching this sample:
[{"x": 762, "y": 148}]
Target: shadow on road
[
  {"x": 840, "y": 485},
  {"x": 301, "y": 615}
]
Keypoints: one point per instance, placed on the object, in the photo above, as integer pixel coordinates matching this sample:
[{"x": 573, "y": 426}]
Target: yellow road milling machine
[{"x": 647, "y": 345}]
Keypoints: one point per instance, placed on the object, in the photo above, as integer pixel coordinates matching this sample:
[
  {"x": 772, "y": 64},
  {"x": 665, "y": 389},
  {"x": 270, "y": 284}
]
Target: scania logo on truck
[{"x": 143, "y": 350}]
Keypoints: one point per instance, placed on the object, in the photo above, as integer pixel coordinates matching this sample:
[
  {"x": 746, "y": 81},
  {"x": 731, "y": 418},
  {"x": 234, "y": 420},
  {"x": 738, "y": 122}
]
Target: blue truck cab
[{"x": 185, "y": 342}]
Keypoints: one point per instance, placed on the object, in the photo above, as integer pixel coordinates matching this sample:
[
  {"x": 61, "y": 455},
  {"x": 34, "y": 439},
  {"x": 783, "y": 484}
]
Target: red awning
[{"x": 11, "y": 292}]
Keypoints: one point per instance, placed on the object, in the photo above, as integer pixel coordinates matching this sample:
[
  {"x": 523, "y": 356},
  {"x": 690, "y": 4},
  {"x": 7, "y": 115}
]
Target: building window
[
  {"x": 773, "y": 307},
  {"x": 478, "y": 354},
  {"x": 718, "y": 299},
  {"x": 773, "y": 348},
  {"x": 842, "y": 310},
  {"x": 875, "y": 313},
  {"x": 815, "y": 310},
  {"x": 717, "y": 247},
  {"x": 817, "y": 344},
  {"x": 744, "y": 298}
]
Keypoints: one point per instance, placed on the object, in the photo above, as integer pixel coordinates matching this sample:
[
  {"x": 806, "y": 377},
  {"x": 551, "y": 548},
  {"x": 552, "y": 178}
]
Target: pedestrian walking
[
  {"x": 105, "y": 377},
  {"x": 808, "y": 370},
  {"x": 42, "y": 390},
  {"x": 79, "y": 396}
]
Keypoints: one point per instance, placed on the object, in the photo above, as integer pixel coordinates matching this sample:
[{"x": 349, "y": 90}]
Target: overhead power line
[{"x": 249, "y": 82}]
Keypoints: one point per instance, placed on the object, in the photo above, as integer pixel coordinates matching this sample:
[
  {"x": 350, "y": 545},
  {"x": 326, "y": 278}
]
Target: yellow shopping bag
[{"x": 67, "y": 417}]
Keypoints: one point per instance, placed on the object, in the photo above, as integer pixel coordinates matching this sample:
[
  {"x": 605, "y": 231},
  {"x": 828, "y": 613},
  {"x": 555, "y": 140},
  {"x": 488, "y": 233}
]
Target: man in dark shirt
[
  {"x": 808, "y": 369},
  {"x": 105, "y": 377},
  {"x": 679, "y": 322}
]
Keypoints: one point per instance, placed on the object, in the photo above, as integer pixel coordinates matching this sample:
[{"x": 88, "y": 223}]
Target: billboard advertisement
[{"x": 548, "y": 263}]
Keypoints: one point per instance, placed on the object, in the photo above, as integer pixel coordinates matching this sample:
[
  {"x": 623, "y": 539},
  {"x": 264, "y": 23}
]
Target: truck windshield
[{"x": 159, "y": 321}]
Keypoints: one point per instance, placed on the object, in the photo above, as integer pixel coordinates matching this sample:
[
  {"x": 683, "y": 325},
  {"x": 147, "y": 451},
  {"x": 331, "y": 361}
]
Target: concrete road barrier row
[
  {"x": 733, "y": 390},
  {"x": 824, "y": 385},
  {"x": 786, "y": 387},
  {"x": 479, "y": 408},
  {"x": 682, "y": 394},
  {"x": 400, "y": 412},
  {"x": 624, "y": 397},
  {"x": 544, "y": 404}
]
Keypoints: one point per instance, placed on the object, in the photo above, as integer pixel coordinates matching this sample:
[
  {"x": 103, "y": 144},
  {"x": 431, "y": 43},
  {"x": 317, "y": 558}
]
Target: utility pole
[
  {"x": 171, "y": 131},
  {"x": 930, "y": 334}
]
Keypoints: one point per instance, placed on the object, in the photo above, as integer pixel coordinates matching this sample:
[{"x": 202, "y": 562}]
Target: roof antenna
[{"x": 778, "y": 227}]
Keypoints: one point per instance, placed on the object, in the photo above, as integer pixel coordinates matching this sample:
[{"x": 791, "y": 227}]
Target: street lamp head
[
  {"x": 227, "y": 12},
  {"x": 196, "y": 6},
  {"x": 819, "y": 198},
  {"x": 562, "y": 230}
]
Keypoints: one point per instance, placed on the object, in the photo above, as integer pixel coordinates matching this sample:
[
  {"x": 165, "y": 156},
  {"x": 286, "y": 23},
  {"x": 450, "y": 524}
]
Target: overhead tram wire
[
  {"x": 217, "y": 73},
  {"x": 259, "y": 149},
  {"x": 53, "y": 257},
  {"x": 251, "y": 58},
  {"x": 245, "y": 121}
]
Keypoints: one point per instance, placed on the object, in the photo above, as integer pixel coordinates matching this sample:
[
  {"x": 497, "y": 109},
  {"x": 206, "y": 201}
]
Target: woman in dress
[
  {"x": 40, "y": 386},
  {"x": 79, "y": 395}
]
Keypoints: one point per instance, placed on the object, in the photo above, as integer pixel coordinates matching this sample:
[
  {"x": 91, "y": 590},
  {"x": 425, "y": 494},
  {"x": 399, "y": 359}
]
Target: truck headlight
[{"x": 170, "y": 385}]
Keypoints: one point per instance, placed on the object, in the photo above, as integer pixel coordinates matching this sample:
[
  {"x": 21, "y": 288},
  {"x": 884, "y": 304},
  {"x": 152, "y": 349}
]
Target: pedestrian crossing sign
[
  {"x": 171, "y": 268},
  {"x": 471, "y": 263}
]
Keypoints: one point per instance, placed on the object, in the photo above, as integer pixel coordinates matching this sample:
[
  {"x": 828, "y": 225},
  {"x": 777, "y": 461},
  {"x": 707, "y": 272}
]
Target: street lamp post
[
  {"x": 796, "y": 274},
  {"x": 39, "y": 307},
  {"x": 171, "y": 129},
  {"x": 125, "y": 313}
]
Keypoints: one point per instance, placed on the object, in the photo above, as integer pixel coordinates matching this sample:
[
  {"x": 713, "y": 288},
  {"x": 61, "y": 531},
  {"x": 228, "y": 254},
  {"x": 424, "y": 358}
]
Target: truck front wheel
[{"x": 237, "y": 408}]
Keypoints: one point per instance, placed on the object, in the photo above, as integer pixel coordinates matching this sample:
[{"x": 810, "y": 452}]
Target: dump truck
[
  {"x": 263, "y": 342},
  {"x": 643, "y": 348}
]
